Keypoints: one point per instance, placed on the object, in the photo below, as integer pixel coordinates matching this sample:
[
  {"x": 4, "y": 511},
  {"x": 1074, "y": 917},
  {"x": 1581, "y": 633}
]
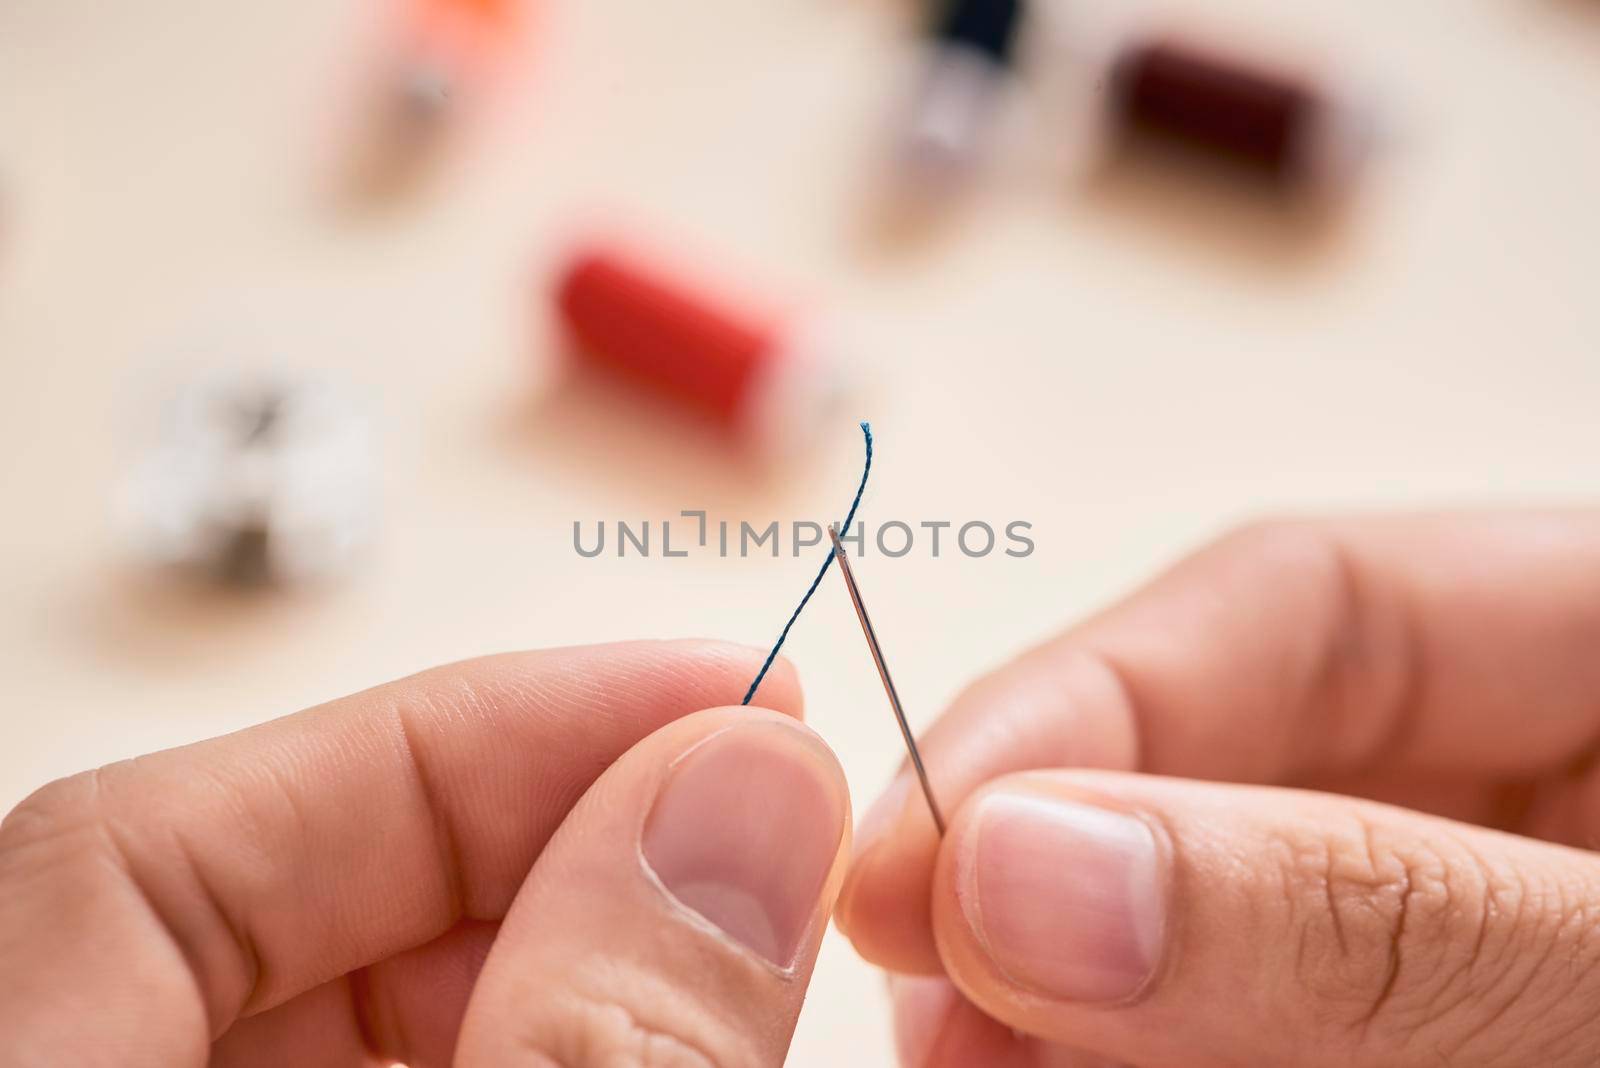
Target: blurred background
[{"x": 292, "y": 407}]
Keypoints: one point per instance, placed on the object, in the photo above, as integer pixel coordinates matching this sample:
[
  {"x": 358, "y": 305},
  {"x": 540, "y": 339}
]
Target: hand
[
  {"x": 1349, "y": 781},
  {"x": 537, "y": 859}
]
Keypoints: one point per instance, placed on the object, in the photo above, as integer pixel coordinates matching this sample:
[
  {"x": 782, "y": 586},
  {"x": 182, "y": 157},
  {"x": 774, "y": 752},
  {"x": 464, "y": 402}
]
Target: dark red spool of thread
[{"x": 1270, "y": 122}]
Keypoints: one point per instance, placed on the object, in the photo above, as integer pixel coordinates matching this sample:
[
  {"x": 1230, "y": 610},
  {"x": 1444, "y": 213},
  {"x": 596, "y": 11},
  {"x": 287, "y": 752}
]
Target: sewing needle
[{"x": 883, "y": 673}]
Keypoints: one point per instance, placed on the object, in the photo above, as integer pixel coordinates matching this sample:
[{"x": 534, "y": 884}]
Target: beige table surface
[{"x": 1129, "y": 366}]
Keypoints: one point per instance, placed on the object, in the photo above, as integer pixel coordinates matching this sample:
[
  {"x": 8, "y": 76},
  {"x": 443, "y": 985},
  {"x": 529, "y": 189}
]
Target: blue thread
[{"x": 866, "y": 429}]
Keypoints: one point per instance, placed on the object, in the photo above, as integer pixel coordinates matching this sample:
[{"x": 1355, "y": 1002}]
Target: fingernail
[
  {"x": 1066, "y": 898},
  {"x": 745, "y": 832}
]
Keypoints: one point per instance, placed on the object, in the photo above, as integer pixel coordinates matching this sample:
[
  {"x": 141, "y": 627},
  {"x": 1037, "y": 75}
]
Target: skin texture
[
  {"x": 451, "y": 860},
  {"x": 1326, "y": 793},
  {"x": 1365, "y": 752}
]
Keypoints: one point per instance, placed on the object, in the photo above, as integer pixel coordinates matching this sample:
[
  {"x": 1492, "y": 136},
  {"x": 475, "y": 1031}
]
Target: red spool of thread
[{"x": 758, "y": 378}]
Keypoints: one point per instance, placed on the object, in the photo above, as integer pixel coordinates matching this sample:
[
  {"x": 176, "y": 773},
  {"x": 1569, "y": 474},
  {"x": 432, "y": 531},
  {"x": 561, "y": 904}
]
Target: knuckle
[
  {"x": 55, "y": 837},
  {"x": 625, "y": 1018},
  {"x": 54, "y": 813},
  {"x": 1357, "y": 660},
  {"x": 1394, "y": 936},
  {"x": 1546, "y": 973}
]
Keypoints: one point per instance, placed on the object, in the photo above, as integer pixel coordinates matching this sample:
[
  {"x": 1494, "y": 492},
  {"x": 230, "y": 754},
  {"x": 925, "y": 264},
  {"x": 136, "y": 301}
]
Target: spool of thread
[
  {"x": 764, "y": 380},
  {"x": 971, "y": 49},
  {"x": 440, "y": 63},
  {"x": 257, "y": 476},
  {"x": 1290, "y": 128},
  {"x": 448, "y": 48}
]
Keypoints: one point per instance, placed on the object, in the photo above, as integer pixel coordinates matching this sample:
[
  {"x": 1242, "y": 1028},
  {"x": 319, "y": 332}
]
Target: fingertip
[
  {"x": 884, "y": 906},
  {"x": 1055, "y": 706},
  {"x": 1011, "y": 925},
  {"x": 730, "y": 667},
  {"x": 961, "y": 949},
  {"x": 748, "y": 831},
  {"x": 871, "y": 832},
  {"x": 784, "y": 678},
  {"x": 779, "y": 688}
]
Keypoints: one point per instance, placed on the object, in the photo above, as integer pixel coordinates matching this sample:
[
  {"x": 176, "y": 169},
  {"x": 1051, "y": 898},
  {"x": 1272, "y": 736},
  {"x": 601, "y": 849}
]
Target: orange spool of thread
[
  {"x": 440, "y": 63},
  {"x": 450, "y": 48}
]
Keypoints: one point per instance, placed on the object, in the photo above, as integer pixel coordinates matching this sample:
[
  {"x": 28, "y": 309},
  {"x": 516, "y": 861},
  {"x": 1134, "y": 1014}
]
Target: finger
[
  {"x": 1284, "y": 652},
  {"x": 936, "y": 1027},
  {"x": 406, "y": 1008},
  {"x": 312, "y": 1030},
  {"x": 675, "y": 917},
  {"x": 1166, "y": 921},
  {"x": 1502, "y": 805},
  {"x": 163, "y": 897},
  {"x": 1569, "y": 810}
]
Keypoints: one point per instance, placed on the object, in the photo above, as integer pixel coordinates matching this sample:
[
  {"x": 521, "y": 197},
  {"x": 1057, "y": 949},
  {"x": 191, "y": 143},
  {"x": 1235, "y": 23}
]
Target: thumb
[
  {"x": 1163, "y": 921},
  {"x": 675, "y": 916}
]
